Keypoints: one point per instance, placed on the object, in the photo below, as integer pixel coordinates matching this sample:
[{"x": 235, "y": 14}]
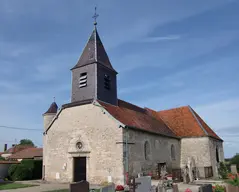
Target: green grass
[
  {"x": 60, "y": 190},
  {"x": 67, "y": 190},
  {"x": 14, "y": 186}
]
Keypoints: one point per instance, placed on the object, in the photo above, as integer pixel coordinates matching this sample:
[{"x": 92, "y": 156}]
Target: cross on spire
[{"x": 95, "y": 16}]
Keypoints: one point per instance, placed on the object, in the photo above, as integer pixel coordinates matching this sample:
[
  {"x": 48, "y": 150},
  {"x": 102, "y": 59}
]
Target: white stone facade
[{"x": 99, "y": 134}]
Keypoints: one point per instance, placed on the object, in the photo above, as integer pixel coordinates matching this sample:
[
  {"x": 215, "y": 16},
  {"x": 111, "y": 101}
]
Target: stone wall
[
  {"x": 214, "y": 146},
  {"x": 198, "y": 150},
  {"x": 98, "y": 132},
  {"x": 4, "y": 170},
  {"x": 160, "y": 152},
  {"x": 47, "y": 119}
]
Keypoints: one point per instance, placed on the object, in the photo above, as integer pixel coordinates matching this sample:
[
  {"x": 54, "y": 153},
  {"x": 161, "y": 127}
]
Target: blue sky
[{"x": 167, "y": 53}]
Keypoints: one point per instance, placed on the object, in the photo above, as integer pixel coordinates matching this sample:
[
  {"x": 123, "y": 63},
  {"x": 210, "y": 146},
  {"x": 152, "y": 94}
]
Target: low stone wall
[{"x": 4, "y": 165}]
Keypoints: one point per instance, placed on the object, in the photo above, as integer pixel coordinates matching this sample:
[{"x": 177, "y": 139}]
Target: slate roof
[
  {"x": 94, "y": 52},
  {"x": 185, "y": 122},
  {"x": 177, "y": 122},
  {"x": 136, "y": 117},
  {"x": 29, "y": 153},
  {"x": 52, "y": 109}
]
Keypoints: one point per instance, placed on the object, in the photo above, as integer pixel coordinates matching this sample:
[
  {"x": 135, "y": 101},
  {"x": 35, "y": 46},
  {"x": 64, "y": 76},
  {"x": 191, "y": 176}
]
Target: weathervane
[{"x": 95, "y": 16}]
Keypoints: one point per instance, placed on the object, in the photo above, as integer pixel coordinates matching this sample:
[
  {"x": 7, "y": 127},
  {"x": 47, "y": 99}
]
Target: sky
[{"x": 167, "y": 53}]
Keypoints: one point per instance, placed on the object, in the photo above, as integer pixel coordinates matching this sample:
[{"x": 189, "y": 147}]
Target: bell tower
[{"x": 93, "y": 77}]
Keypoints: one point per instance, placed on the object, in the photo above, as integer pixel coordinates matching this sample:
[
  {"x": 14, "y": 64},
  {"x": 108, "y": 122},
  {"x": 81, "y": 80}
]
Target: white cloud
[{"x": 156, "y": 39}]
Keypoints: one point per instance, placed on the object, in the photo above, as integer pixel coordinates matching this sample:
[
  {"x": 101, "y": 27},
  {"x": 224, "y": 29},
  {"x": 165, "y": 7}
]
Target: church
[{"x": 97, "y": 135}]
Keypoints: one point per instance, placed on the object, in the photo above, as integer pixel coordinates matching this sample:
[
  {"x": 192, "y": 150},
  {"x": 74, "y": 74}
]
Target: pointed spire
[
  {"x": 94, "y": 51},
  {"x": 53, "y": 108}
]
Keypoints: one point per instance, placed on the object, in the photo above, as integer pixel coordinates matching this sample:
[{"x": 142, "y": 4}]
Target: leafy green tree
[
  {"x": 235, "y": 160},
  {"x": 26, "y": 142}
]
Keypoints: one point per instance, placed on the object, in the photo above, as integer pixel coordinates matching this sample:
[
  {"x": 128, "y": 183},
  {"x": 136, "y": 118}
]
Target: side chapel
[{"x": 98, "y": 135}]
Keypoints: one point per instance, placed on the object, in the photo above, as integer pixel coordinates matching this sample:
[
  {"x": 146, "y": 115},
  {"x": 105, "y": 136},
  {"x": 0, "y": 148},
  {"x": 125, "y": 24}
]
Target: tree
[
  {"x": 235, "y": 160},
  {"x": 222, "y": 170},
  {"x": 26, "y": 142}
]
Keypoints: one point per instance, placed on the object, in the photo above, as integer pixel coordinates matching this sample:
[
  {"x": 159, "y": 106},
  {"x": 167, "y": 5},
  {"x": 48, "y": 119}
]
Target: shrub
[
  {"x": 11, "y": 170},
  {"x": 222, "y": 170},
  {"x": 22, "y": 173},
  {"x": 218, "y": 188},
  {"x": 36, "y": 166},
  {"x": 27, "y": 170}
]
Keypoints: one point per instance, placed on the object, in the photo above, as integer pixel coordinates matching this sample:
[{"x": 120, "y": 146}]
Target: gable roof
[
  {"x": 16, "y": 148},
  {"x": 94, "y": 52},
  {"x": 136, "y": 117},
  {"x": 185, "y": 122},
  {"x": 28, "y": 153}
]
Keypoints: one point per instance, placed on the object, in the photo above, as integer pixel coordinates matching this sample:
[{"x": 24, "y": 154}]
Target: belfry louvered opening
[
  {"x": 107, "y": 82},
  {"x": 83, "y": 80}
]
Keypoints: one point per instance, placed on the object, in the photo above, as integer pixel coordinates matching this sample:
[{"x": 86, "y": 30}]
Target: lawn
[
  {"x": 15, "y": 186},
  {"x": 60, "y": 190},
  {"x": 67, "y": 190}
]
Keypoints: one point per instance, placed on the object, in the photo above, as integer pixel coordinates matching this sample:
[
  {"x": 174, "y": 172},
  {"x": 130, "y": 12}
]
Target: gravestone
[
  {"x": 234, "y": 169},
  {"x": 82, "y": 186},
  {"x": 231, "y": 188},
  {"x": 145, "y": 184},
  {"x": 206, "y": 188},
  {"x": 153, "y": 189},
  {"x": 109, "y": 188},
  {"x": 165, "y": 186},
  {"x": 175, "y": 188}
]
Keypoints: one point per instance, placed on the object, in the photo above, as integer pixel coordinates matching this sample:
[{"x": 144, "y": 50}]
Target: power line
[{"x": 19, "y": 128}]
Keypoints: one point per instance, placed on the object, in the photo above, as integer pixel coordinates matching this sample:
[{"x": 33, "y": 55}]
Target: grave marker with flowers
[{"x": 232, "y": 183}]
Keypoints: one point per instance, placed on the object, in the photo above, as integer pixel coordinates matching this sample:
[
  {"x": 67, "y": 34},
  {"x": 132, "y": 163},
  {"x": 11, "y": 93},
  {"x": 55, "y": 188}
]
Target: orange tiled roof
[
  {"x": 177, "y": 122},
  {"x": 136, "y": 117},
  {"x": 28, "y": 153},
  {"x": 17, "y": 148},
  {"x": 185, "y": 122}
]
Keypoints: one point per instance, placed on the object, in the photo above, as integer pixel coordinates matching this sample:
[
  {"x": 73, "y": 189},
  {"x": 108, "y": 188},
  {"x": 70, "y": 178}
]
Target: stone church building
[{"x": 98, "y": 135}]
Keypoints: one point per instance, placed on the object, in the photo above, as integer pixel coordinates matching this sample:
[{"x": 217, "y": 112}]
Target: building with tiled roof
[
  {"x": 14, "y": 149},
  {"x": 29, "y": 153},
  {"x": 98, "y": 135}
]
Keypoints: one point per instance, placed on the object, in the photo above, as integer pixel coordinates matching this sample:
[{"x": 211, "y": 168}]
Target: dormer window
[
  {"x": 107, "y": 81},
  {"x": 83, "y": 80}
]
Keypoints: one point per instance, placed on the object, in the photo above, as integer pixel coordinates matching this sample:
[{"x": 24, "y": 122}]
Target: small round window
[{"x": 79, "y": 145}]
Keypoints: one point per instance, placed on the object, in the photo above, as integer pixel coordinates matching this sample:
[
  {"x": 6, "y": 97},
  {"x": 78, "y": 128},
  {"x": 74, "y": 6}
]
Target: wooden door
[{"x": 79, "y": 169}]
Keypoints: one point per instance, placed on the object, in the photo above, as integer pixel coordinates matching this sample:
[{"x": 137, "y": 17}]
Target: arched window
[
  {"x": 173, "y": 152},
  {"x": 217, "y": 155},
  {"x": 146, "y": 150}
]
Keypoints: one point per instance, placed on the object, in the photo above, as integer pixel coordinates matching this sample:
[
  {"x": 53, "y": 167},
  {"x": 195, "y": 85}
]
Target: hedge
[{"x": 27, "y": 170}]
